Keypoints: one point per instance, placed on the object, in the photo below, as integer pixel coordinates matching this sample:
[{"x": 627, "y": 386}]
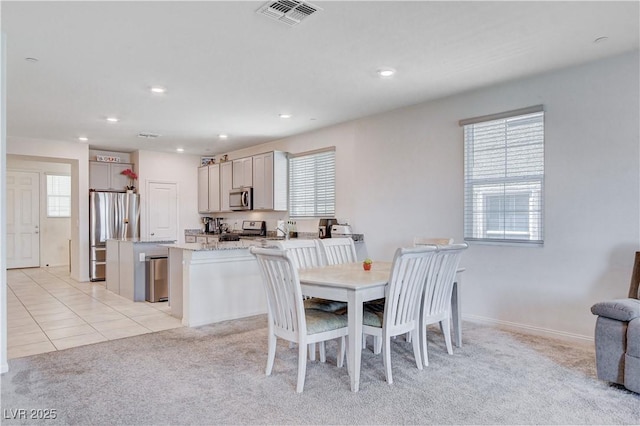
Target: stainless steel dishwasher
[{"x": 157, "y": 279}]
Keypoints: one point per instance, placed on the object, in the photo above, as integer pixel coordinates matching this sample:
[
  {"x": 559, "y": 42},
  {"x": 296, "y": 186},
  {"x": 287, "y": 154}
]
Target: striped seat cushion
[
  {"x": 325, "y": 305},
  {"x": 321, "y": 321}
]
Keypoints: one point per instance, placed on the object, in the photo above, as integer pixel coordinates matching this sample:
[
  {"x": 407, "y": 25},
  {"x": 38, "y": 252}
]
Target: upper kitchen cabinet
[
  {"x": 226, "y": 184},
  {"x": 270, "y": 181},
  {"x": 209, "y": 188},
  {"x": 243, "y": 172},
  {"x": 108, "y": 176}
]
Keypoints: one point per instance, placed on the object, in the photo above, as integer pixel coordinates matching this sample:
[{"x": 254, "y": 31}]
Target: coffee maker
[
  {"x": 212, "y": 225},
  {"x": 324, "y": 227}
]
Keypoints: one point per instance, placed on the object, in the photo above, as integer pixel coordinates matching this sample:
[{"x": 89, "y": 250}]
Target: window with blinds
[
  {"x": 504, "y": 177},
  {"x": 312, "y": 184},
  {"x": 58, "y": 196}
]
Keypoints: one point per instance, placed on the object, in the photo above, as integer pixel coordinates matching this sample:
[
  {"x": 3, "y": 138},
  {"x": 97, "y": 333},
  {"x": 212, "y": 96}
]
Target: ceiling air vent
[
  {"x": 290, "y": 12},
  {"x": 148, "y": 135}
]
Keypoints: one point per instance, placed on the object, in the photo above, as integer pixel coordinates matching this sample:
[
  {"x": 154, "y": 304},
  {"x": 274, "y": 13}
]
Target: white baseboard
[
  {"x": 530, "y": 329},
  {"x": 4, "y": 368}
]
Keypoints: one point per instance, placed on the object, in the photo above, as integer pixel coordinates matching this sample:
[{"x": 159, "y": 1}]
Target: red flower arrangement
[{"x": 132, "y": 176}]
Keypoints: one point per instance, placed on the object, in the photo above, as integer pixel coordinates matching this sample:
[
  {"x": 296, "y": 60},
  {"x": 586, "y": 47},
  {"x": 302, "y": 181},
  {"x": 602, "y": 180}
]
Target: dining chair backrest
[
  {"x": 304, "y": 253},
  {"x": 338, "y": 250},
  {"x": 421, "y": 241},
  {"x": 440, "y": 279},
  {"x": 284, "y": 295},
  {"x": 406, "y": 284}
]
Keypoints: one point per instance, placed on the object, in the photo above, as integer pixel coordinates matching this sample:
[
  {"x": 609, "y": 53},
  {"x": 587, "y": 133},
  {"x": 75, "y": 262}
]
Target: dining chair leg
[
  {"x": 302, "y": 366},
  {"x": 364, "y": 341},
  {"x": 312, "y": 351},
  {"x": 386, "y": 358},
  {"x": 323, "y": 353},
  {"x": 377, "y": 344},
  {"x": 446, "y": 330},
  {"x": 346, "y": 352},
  {"x": 271, "y": 354},
  {"x": 416, "y": 350},
  {"x": 423, "y": 340},
  {"x": 341, "y": 352}
]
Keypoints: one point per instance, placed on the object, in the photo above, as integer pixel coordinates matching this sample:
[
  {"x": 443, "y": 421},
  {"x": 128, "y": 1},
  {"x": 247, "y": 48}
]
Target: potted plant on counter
[{"x": 366, "y": 264}]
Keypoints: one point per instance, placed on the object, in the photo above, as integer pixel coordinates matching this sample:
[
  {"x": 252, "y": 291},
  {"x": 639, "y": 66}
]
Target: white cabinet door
[
  {"x": 118, "y": 180},
  {"x": 203, "y": 189},
  {"x": 263, "y": 181},
  {"x": 226, "y": 184},
  {"x": 247, "y": 171},
  {"x": 99, "y": 175},
  {"x": 243, "y": 172},
  {"x": 214, "y": 188}
]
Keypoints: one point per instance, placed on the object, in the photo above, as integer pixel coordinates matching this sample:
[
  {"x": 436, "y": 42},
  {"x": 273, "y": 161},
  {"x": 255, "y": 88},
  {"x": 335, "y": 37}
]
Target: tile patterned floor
[{"x": 48, "y": 311}]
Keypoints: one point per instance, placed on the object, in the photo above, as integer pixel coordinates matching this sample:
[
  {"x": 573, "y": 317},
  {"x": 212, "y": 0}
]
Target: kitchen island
[
  {"x": 216, "y": 282},
  {"x": 126, "y": 273}
]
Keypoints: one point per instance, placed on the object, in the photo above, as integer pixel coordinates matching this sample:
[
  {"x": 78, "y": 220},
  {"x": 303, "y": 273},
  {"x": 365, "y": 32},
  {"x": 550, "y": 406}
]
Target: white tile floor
[{"x": 48, "y": 311}]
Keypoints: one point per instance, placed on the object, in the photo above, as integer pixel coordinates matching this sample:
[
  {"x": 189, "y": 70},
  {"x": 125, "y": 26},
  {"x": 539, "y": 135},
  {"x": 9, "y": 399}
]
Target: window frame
[
  {"x": 49, "y": 196},
  {"x": 526, "y": 179},
  {"x": 329, "y": 192}
]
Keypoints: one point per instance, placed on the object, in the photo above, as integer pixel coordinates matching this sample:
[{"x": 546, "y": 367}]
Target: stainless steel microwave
[{"x": 241, "y": 198}]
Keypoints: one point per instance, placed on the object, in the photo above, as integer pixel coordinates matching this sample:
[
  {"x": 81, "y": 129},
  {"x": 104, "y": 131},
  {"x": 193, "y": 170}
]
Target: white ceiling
[{"x": 230, "y": 70}]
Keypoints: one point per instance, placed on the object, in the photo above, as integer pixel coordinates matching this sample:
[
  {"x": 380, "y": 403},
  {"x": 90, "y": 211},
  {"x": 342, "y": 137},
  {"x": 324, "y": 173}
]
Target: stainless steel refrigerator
[{"x": 112, "y": 215}]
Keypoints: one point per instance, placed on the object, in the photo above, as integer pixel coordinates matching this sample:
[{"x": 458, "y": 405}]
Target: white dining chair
[
  {"x": 306, "y": 253},
  {"x": 288, "y": 319},
  {"x": 436, "y": 300},
  {"x": 338, "y": 250},
  {"x": 400, "y": 312}
]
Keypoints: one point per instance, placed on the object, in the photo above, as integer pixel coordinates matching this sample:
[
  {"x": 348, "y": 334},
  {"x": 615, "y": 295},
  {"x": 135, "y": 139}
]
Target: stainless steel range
[{"x": 250, "y": 228}]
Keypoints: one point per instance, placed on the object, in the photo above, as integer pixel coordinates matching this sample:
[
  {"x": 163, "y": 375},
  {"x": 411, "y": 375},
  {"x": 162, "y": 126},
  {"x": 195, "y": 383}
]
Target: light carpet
[{"x": 215, "y": 375}]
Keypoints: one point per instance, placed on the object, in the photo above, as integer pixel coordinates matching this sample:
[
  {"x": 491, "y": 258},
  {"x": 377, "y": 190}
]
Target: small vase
[{"x": 367, "y": 266}]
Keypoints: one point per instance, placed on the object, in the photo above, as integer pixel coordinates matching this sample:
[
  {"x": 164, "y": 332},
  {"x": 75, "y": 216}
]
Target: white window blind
[
  {"x": 312, "y": 184},
  {"x": 504, "y": 177},
  {"x": 58, "y": 196}
]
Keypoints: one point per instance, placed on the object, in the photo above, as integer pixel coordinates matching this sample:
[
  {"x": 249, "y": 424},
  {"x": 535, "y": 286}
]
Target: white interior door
[
  {"x": 162, "y": 206},
  {"x": 23, "y": 219}
]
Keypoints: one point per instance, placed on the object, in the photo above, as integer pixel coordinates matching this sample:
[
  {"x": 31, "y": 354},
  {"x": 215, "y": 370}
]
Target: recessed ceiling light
[
  {"x": 386, "y": 72},
  {"x": 158, "y": 89},
  {"x": 223, "y": 136},
  {"x": 180, "y": 149},
  {"x": 113, "y": 119},
  {"x": 285, "y": 115},
  {"x": 31, "y": 59},
  {"x": 601, "y": 39},
  {"x": 83, "y": 139}
]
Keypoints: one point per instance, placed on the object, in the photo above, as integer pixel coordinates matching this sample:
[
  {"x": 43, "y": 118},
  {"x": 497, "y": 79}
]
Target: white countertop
[
  {"x": 142, "y": 241},
  {"x": 224, "y": 245}
]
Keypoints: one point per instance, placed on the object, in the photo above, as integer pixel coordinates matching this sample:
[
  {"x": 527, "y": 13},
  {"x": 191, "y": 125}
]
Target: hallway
[{"x": 48, "y": 311}]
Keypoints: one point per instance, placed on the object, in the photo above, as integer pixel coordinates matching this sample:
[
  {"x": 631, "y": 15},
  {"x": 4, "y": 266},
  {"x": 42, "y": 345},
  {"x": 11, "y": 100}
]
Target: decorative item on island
[
  {"x": 366, "y": 264},
  {"x": 132, "y": 176}
]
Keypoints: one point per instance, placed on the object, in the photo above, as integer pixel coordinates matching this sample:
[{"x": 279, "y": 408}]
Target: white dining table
[{"x": 350, "y": 283}]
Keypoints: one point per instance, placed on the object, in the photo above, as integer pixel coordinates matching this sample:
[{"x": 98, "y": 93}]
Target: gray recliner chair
[{"x": 617, "y": 336}]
